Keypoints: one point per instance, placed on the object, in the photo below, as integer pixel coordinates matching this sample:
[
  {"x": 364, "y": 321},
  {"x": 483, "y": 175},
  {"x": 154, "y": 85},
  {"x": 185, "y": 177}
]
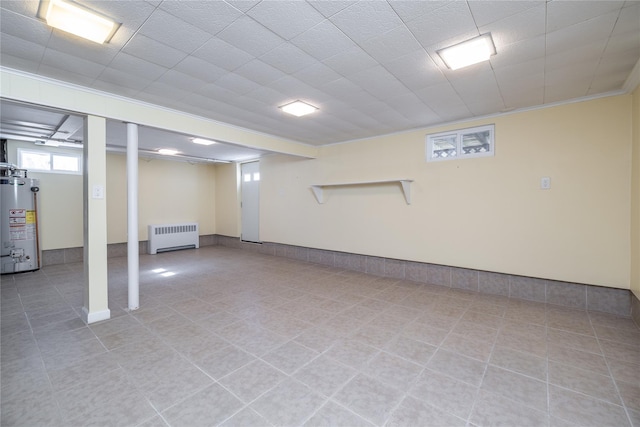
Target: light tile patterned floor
[{"x": 230, "y": 337}]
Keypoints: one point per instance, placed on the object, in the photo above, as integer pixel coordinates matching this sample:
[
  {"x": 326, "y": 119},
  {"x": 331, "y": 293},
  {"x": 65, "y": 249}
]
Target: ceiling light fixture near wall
[
  {"x": 469, "y": 52},
  {"x": 298, "y": 108},
  {"x": 167, "y": 152},
  {"x": 76, "y": 19},
  {"x": 202, "y": 141}
]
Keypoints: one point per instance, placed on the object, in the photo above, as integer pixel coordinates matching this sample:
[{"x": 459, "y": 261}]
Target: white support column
[
  {"x": 133, "y": 260},
  {"x": 96, "y": 300}
]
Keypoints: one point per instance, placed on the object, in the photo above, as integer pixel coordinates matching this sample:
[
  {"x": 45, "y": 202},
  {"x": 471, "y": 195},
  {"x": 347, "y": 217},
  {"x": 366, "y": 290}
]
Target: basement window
[
  {"x": 462, "y": 143},
  {"x": 43, "y": 161}
]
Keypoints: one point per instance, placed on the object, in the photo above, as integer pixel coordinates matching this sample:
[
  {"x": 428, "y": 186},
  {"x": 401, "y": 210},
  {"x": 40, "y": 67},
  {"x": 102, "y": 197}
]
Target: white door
[{"x": 250, "y": 208}]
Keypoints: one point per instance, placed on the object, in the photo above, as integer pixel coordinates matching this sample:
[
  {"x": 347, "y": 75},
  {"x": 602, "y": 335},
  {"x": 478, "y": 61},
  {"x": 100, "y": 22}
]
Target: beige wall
[
  {"x": 169, "y": 191},
  {"x": 485, "y": 213},
  {"x": 227, "y": 200},
  {"x": 635, "y": 196}
]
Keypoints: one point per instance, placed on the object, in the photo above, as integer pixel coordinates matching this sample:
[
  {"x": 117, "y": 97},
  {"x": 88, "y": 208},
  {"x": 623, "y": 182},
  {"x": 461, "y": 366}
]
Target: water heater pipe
[{"x": 132, "y": 217}]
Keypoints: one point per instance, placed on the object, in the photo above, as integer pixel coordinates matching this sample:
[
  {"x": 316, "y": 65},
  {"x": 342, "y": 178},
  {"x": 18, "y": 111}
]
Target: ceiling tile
[
  {"x": 561, "y": 14},
  {"x": 111, "y": 79},
  {"x": 569, "y": 90},
  {"x": 292, "y": 87},
  {"x": 259, "y": 72},
  {"x": 608, "y": 82},
  {"x": 629, "y": 19},
  {"x": 224, "y": 80},
  {"x": 317, "y": 74},
  {"x": 330, "y": 8},
  {"x": 286, "y": 18},
  {"x": 366, "y": 19},
  {"x": 520, "y": 52},
  {"x": 183, "y": 36},
  {"x": 10, "y": 61},
  {"x": 520, "y": 73},
  {"x": 587, "y": 53},
  {"x": 21, "y": 48},
  {"x": 102, "y": 54},
  {"x": 615, "y": 63},
  {"x": 64, "y": 61},
  {"x": 159, "y": 92},
  {"x": 411, "y": 107},
  {"x": 64, "y": 75},
  {"x": 218, "y": 93},
  {"x": 416, "y": 70},
  {"x": 323, "y": 41},
  {"x": 379, "y": 82},
  {"x": 450, "y": 21},
  {"x": 482, "y": 85},
  {"x": 137, "y": 67},
  {"x": 181, "y": 81},
  {"x": 236, "y": 83},
  {"x": 391, "y": 45},
  {"x": 573, "y": 72},
  {"x": 209, "y": 16},
  {"x": 222, "y": 54},
  {"x": 521, "y": 26},
  {"x": 594, "y": 30},
  {"x": 524, "y": 97},
  {"x": 443, "y": 99},
  {"x": 267, "y": 95},
  {"x": 487, "y": 12},
  {"x": 350, "y": 61},
  {"x": 27, "y": 28},
  {"x": 250, "y": 36},
  {"x": 287, "y": 58},
  {"x": 409, "y": 10},
  {"x": 243, "y": 5},
  {"x": 342, "y": 89},
  {"x": 151, "y": 50},
  {"x": 23, "y": 7},
  {"x": 200, "y": 69}
]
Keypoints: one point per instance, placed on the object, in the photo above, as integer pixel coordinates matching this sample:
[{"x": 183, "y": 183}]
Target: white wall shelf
[{"x": 318, "y": 189}]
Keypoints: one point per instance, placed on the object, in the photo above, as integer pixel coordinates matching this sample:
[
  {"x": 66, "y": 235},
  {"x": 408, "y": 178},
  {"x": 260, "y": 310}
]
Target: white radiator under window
[{"x": 171, "y": 237}]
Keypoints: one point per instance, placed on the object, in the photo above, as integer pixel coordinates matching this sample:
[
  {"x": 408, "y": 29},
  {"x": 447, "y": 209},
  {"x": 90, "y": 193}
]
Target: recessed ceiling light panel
[
  {"x": 298, "y": 108},
  {"x": 202, "y": 141},
  {"x": 469, "y": 52},
  {"x": 167, "y": 152},
  {"x": 75, "y": 19}
]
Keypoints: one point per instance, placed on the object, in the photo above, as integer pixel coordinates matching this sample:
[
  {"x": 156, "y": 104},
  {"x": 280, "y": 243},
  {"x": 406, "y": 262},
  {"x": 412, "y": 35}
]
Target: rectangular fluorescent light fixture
[
  {"x": 298, "y": 108},
  {"x": 202, "y": 141},
  {"x": 75, "y": 19},
  {"x": 469, "y": 52},
  {"x": 167, "y": 152}
]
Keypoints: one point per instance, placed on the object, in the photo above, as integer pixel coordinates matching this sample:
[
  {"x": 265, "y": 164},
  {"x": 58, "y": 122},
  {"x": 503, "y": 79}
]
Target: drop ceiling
[{"x": 369, "y": 66}]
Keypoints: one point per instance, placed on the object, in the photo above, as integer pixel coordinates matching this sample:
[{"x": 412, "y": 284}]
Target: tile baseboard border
[
  {"x": 635, "y": 309},
  {"x": 563, "y": 294},
  {"x": 620, "y": 302}
]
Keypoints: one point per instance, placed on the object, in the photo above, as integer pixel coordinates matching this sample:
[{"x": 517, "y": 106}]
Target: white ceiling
[{"x": 370, "y": 66}]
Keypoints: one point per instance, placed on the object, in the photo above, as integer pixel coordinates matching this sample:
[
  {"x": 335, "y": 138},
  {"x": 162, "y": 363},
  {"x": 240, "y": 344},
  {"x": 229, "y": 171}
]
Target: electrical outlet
[
  {"x": 98, "y": 192},
  {"x": 545, "y": 183}
]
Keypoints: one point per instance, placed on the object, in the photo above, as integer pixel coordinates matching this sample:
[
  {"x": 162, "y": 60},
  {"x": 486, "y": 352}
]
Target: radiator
[{"x": 171, "y": 237}]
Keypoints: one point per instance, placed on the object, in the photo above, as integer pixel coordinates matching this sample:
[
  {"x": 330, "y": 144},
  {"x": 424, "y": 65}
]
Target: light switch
[
  {"x": 545, "y": 183},
  {"x": 98, "y": 192}
]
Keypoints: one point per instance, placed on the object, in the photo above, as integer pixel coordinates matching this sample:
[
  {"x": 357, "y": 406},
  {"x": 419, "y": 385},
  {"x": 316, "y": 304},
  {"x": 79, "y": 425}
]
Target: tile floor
[{"x": 233, "y": 338}]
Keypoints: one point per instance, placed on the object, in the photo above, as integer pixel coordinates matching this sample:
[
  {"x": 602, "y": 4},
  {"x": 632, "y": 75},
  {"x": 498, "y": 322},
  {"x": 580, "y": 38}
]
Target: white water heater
[{"x": 19, "y": 236}]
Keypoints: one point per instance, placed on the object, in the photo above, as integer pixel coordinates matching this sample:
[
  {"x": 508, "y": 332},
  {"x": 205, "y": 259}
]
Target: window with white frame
[
  {"x": 461, "y": 143},
  {"x": 44, "y": 161}
]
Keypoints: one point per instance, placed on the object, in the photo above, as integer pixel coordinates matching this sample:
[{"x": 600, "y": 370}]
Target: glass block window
[{"x": 463, "y": 143}]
